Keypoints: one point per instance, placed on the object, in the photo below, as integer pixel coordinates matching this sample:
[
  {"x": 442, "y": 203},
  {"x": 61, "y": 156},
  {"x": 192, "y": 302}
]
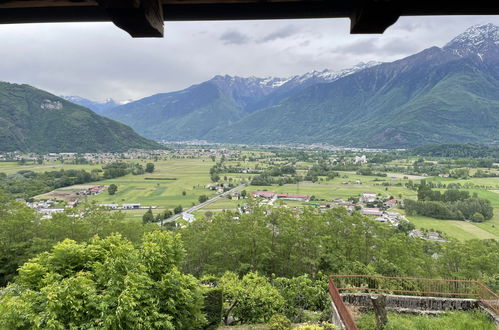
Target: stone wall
[
  {"x": 412, "y": 304},
  {"x": 418, "y": 304}
]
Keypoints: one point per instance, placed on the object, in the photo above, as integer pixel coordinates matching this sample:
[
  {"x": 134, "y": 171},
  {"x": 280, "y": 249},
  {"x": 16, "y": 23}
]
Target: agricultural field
[
  {"x": 13, "y": 167},
  {"x": 164, "y": 187},
  {"x": 181, "y": 180}
]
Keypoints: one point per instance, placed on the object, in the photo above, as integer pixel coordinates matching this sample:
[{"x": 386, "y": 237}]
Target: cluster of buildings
[
  {"x": 272, "y": 195},
  {"x": 96, "y": 158},
  {"x": 46, "y": 208},
  {"x": 202, "y": 152},
  {"x": 125, "y": 206},
  {"x": 219, "y": 188},
  {"x": 94, "y": 190},
  {"x": 427, "y": 235}
]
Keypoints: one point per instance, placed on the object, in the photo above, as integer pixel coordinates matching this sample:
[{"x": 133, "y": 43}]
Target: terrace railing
[{"x": 417, "y": 287}]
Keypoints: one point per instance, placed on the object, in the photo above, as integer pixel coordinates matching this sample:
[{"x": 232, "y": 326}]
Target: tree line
[{"x": 453, "y": 204}]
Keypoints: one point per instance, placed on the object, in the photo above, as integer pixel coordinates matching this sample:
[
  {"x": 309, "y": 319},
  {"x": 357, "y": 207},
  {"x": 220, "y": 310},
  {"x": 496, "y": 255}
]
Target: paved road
[{"x": 197, "y": 207}]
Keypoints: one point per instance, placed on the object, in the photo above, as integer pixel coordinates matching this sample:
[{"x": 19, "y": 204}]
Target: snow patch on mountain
[{"x": 474, "y": 39}]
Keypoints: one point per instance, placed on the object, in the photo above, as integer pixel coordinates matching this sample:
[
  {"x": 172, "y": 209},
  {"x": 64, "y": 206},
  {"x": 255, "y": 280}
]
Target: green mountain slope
[
  {"x": 36, "y": 121},
  {"x": 431, "y": 97},
  {"x": 183, "y": 115}
]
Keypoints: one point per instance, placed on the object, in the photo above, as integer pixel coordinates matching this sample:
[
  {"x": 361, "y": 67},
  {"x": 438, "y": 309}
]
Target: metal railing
[
  {"x": 345, "y": 315},
  {"x": 417, "y": 287}
]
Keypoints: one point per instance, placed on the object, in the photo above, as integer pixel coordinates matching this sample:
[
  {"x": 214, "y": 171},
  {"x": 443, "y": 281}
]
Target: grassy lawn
[
  {"x": 460, "y": 230},
  {"x": 449, "y": 320}
]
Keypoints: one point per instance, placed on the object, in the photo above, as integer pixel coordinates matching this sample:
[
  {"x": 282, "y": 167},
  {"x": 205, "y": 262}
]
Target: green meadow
[
  {"x": 14, "y": 167},
  {"x": 151, "y": 189},
  {"x": 172, "y": 177}
]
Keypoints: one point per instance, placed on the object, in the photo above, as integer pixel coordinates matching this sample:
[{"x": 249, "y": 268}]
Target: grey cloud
[
  {"x": 97, "y": 60},
  {"x": 234, "y": 37},
  {"x": 282, "y": 33},
  {"x": 377, "y": 46}
]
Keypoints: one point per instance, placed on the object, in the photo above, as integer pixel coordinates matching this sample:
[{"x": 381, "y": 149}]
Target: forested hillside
[{"x": 36, "y": 121}]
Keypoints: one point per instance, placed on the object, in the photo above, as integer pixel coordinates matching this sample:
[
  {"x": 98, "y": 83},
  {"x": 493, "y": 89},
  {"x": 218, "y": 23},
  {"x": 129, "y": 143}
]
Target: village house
[
  {"x": 372, "y": 211},
  {"x": 93, "y": 190},
  {"x": 188, "y": 217},
  {"x": 390, "y": 203},
  {"x": 360, "y": 160},
  {"x": 235, "y": 196},
  {"x": 130, "y": 206},
  {"x": 263, "y": 194},
  {"x": 109, "y": 206},
  {"x": 368, "y": 197},
  {"x": 299, "y": 198}
]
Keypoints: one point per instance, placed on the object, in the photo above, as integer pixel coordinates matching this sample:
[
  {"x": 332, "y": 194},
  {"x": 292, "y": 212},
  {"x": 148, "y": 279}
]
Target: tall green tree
[
  {"x": 112, "y": 189},
  {"x": 149, "y": 167},
  {"x": 148, "y": 216}
]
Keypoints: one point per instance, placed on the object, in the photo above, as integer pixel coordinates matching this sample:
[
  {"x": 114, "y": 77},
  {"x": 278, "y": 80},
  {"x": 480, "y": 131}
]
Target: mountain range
[
  {"x": 36, "y": 121},
  {"x": 448, "y": 94},
  {"x": 95, "y": 106}
]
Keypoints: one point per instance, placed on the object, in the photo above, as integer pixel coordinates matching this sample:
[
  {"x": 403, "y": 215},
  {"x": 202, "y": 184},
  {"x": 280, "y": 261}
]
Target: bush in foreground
[{"x": 107, "y": 283}]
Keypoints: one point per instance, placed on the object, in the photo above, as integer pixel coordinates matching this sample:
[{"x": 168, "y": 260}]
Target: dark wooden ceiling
[{"x": 144, "y": 18}]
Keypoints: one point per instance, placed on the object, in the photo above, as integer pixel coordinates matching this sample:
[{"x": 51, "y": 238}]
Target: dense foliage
[
  {"x": 26, "y": 184},
  {"x": 288, "y": 245},
  {"x": 107, "y": 283},
  {"x": 476, "y": 209},
  {"x": 457, "y": 150},
  {"x": 23, "y": 234},
  {"x": 452, "y": 204}
]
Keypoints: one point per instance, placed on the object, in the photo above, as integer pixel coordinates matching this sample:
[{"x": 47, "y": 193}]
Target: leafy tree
[
  {"x": 178, "y": 209},
  {"x": 107, "y": 283},
  {"x": 478, "y": 217},
  {"x": 302, "y": 293},
  {"x": 148, "y": 216},
  {"x": 249, "y": 300},
  {"x": 203, "y": 198},
  {"x": 149, "y": 167},
  {"x": 112, "y": 189}
]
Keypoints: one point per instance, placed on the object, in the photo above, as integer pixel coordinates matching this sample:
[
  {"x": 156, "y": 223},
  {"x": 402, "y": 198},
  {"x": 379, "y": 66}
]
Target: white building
[
  {"x": 130, "y": 206},
  {"x": 188, "y": 217},
  {"x": 368, "y": 197},
  {"x": 360, "y": 160},
  {"x": 109, "y": 206}
]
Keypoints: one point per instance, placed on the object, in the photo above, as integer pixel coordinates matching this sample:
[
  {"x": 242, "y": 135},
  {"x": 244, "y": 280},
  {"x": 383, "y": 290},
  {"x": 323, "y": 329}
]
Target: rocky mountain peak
[{"x": 475, "y": 40}]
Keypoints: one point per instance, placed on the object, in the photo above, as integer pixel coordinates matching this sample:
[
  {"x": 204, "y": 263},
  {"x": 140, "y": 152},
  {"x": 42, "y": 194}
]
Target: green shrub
[
  {"x": 322, "y": 326},
  {"x": 279, "y": 322}
]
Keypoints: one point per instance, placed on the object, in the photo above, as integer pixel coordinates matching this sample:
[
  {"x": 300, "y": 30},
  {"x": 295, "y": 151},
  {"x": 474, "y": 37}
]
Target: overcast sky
[{"x": 99, "y": 61}]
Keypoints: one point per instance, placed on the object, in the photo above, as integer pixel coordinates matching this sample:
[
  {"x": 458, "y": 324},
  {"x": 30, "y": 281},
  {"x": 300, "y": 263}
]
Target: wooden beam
[
  {"x": 374, "y": 16},
  {"x": 140, "y": 18}
]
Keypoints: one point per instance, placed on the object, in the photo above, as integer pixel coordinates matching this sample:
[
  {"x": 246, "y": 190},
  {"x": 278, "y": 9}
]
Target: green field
[
  {"x": 191, "y": 176},
  {"x": 460, "y": 230},
  {"x": 14, "y": 167}
]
